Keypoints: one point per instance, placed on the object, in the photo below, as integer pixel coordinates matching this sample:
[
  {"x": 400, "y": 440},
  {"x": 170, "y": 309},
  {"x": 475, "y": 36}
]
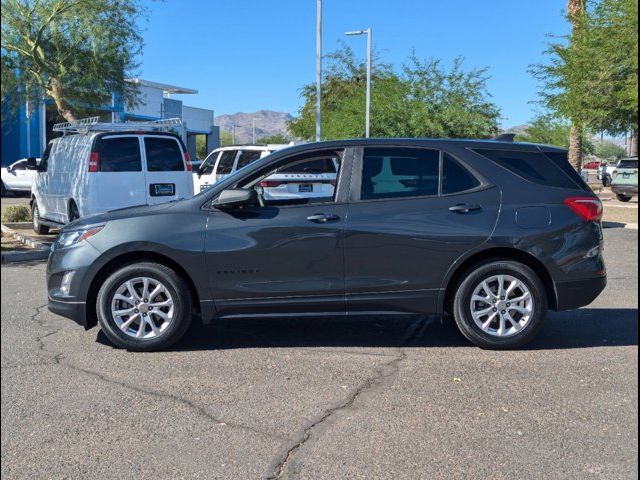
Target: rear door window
[
  {"x": 225, "y": 164},
  {"x": 163, "y": 155},
  {"x": 532, "y": 166},
  {"x": 456, "y": 178},
  {"x": 119, "y": 154},
  {"x": 247, "y": 157},
  {"x": 399, "y": 172}
]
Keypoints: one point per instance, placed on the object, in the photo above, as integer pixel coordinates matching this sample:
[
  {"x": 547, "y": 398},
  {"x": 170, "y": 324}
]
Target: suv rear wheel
[
  {"x": 606, "y": 180},
  {"x": 144, "y": 307},
  {"x": 623, "y": 198},
  {"x": 500, "y": 305},
  {"x": 35, "y": 220}
]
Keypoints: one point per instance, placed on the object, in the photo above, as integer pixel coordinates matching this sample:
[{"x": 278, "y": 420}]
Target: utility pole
[
  {"x": 369, "y": 33},
  {"x": 233, "y": 134},
  {"x": 318, "y": 70},
  {"x": 253, "y": 121}
]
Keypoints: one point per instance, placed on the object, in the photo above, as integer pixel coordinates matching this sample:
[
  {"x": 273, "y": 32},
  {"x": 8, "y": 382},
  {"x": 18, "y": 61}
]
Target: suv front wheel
[
  {"x": 38, "y": 227},
  {"x": 144, "y": 307},
  {"x": 500, "y": 305}
]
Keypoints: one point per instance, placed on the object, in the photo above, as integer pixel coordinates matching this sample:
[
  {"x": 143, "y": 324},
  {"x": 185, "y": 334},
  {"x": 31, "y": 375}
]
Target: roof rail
[
  {"x": 92, "y": 124},
  {"x": 505, "y": 137}
]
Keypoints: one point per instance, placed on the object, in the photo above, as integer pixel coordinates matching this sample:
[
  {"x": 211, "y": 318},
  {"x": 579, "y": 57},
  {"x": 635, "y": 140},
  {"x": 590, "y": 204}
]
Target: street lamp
[
  {"x": 253, "y": 122},
  {"x": 368, "y": 33},
  {"x": 318, "y": 70}
]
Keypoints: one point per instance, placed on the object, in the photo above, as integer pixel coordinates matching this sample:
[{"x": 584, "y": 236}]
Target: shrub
[{"x": 16, "y": 213}]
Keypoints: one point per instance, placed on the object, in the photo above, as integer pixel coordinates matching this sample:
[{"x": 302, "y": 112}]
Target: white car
[
  {"x": 100, "y": 170},
  {"x": 226, "y": 160},
  {"x": 17, "y": 178},
  {"x": 313, "y": 178}
]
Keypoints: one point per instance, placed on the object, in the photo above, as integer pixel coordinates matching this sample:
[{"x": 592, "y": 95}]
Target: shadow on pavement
[{"x": 588, "y": 327}]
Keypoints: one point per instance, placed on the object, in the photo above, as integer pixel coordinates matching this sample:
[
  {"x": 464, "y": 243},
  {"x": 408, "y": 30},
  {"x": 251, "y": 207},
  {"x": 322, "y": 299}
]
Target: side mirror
[
  {"x": 32, "y": 163},
  {"x": 237, "y": 197}
]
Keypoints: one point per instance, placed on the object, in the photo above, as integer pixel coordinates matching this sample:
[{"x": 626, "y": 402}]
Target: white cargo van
[{"x": 102, "y": 167}]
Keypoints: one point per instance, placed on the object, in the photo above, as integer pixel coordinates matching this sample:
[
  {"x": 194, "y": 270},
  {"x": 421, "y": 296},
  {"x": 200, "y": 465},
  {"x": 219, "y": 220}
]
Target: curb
[{"x": 41, "y": 250}]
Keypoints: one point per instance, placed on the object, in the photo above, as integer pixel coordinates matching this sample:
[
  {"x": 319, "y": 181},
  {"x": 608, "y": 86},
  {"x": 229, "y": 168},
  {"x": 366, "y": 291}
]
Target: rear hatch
[{"x": 626, "y": 173}]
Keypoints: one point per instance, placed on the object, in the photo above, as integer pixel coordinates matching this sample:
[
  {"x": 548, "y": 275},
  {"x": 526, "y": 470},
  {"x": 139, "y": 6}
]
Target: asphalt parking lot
[{"x": 323, "y": 398}]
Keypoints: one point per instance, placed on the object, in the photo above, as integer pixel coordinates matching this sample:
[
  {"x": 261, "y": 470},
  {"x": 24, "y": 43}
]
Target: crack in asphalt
[
  {"x": 382, "y": 373},
  {"x": 58, "y": 357}
]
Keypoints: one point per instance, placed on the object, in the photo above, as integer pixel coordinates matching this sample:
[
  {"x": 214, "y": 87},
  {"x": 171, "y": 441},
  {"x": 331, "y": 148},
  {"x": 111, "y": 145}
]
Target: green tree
[
  {"x": 275, "y": 139},
  {"x": 548, "y": 130},
  {"x": 77, "y": 52},
  {"x": 424, "y": 99},
  {"x": 592, "y": 75},
  {"x": 609, "y": 151}
]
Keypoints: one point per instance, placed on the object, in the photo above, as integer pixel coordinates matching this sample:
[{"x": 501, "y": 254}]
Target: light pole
[
  {"x": 233, "y": 134},
  {"x": 253, "y": 124},
  {"x": 318, "y": 69},
  {"x": 368, "y": 33}
]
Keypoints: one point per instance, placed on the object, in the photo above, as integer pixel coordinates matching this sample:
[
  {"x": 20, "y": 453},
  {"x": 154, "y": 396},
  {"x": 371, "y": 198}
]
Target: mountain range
[{"x": 267, "y": 123}]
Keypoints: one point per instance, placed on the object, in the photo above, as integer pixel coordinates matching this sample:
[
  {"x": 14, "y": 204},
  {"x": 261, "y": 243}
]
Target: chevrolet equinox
[{"x": 493, "y": 233}]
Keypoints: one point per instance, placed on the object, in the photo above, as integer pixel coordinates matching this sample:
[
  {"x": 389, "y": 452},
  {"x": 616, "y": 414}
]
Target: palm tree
[{"x": 576, "y": 9}]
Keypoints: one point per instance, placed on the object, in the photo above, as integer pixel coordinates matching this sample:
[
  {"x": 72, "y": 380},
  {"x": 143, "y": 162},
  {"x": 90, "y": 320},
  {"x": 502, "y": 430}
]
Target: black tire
[
  {"x": 35, "y": 220},
  {"x": 473, "y": 278},
  {"x": 4, "y": 189},
  {"x": 606, "y": 181},
  {"x": 73, "y": 212},
  {"x": 623, "y": 198},
  {"x": 178, "y": 291}
]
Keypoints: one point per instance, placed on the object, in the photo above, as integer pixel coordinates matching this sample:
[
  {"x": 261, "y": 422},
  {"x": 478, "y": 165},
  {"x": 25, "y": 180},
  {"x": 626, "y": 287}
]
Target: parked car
[
  {"x": 625, "y": 179},
  {"x": 594, "y": 165},
  {"x": 605, "y": 171},
  {"x": 87, "y": 173},
  {"x": 493, "y": 233},
  {"x": 17, "y": 178},
  {"x": 224, "y": 161}
]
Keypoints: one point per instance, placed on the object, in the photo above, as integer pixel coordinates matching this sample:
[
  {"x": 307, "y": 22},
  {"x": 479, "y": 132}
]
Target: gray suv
[{"x": 493, "y": 233}]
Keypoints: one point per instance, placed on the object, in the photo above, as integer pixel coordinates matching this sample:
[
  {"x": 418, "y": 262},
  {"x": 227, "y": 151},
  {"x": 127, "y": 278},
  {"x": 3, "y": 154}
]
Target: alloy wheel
[
  {"x": 501, "y": 305},
  {"x": 142, "y": 307}
]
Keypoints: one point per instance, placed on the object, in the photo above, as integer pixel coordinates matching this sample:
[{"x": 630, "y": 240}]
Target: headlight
[{"x": 67, "y": 239}]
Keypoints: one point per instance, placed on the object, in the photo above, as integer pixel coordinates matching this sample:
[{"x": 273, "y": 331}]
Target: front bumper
[
  {"x": 625, "y": 189},
  {"x": 74, "y": 310},
  {"x": 576, "y": 294}
]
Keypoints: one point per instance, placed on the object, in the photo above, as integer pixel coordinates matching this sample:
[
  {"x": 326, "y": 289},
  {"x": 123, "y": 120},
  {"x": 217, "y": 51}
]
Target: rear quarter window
[
  {"x": 247, "y": 157},
  {"x": 532, "y": 166},
  {"x": 163, "y": 155}
]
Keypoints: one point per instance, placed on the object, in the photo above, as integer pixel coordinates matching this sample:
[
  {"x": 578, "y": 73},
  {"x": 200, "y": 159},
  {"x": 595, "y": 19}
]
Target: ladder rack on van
[{"x": 93, "y": 124}]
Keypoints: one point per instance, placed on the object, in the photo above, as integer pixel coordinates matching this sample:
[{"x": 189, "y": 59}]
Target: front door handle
[
  {"x": 323, "y": 218},
  {"x": 465, "y": 208}
]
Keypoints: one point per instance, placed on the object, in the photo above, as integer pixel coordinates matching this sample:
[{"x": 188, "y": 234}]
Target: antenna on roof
[{"x": 505, "y": 137}]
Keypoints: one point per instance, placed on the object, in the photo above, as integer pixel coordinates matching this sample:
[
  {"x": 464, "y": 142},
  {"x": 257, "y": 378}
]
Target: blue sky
[{"x": 246, "y": 55}]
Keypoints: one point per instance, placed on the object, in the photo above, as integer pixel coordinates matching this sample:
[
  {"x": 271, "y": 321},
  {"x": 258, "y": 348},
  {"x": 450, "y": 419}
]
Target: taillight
[
  {"x": 587, "y": 208},
  {"x": 187, "y": 159},
  {"x": 94, "y": 162},
  {"x": 270, "y": 184}
]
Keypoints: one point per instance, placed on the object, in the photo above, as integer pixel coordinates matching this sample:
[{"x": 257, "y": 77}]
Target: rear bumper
[
  {"x": 625, "y": 189},
  {"x": 576, "y": 294}
]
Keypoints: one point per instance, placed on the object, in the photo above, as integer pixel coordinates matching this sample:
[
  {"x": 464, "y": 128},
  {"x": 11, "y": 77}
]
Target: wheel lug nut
[
  {"x": 137, "y": 311},
  {"x": 144, "y": 314},
  {"x": 495, "y": 309},
  {"x": 501, "y": 298},
  {"x": 503, "y": 312},
  {"x": 508, "y": 304},
  {"x": 150, "y": 308}
]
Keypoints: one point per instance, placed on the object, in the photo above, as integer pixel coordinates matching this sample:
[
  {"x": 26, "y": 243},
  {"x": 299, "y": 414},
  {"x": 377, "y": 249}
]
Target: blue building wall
[{"x": 16, "y": 143}]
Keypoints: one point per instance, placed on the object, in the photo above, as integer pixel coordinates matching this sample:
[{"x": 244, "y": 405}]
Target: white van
[
  {"x": 224, "y": 161},
  {"x": 97, "y": 171}
]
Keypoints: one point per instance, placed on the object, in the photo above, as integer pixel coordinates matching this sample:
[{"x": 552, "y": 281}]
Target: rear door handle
[
  {"x": 323, "y": 218},
  {"x": 465, "y": 208}
]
